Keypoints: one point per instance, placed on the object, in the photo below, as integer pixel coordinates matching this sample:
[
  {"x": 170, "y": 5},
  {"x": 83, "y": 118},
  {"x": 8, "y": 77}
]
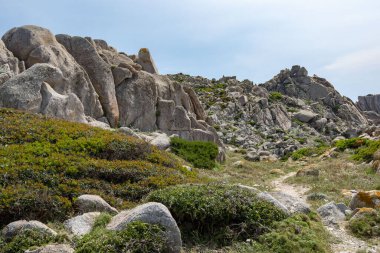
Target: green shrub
[
  {"x": 367, "y": 225},
  {"x": 309, "y": 151},
  {"x": 352, "y": 143},
  {"x": 275, "y": 96},
  {"x": 299, "y": 233},
  {"x": 26, "y": 239},
  {"x": 363, "y": 148},
  {"x": 46, "y": 163},
  {"x": 136, "y": 237},
  {"x": 217, "y": 213},
  {"x": 200, "y": 153}
]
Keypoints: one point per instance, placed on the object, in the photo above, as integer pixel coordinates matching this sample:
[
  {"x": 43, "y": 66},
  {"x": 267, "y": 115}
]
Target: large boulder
[
  {"x": 153, "y": 213},
  {"x": 34, "y": 44},
  {"x": 93, "y": 203},
  {"x": 53, "y": 248},
  {"x": 13, "y": 228},
  {"x": 81, "y": 224},
  {"x": 101, "y": 76}
]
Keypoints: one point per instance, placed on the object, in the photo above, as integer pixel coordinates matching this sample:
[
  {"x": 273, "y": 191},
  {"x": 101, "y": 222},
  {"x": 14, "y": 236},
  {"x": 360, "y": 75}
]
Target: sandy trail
[{"x": 343, "y": 242}]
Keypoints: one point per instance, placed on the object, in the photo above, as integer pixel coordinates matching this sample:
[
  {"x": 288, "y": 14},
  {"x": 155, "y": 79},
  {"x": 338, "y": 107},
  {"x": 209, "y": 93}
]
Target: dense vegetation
[
  {"x": 46, "y": 163},
  {"x": 201, "y": 154},
  {"x": 367, "y": 225},
  {"x": 217, "y": 213}
]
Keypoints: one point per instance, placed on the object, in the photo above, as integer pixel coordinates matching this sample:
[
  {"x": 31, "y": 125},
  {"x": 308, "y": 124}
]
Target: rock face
[
  {"x": 88, "y": 81},
  {"x": 290, "y": 111},
  {"x": 370, "y": 104},
  {"x": 93, "y": 203},
  {"x": 154, "y": 213}
]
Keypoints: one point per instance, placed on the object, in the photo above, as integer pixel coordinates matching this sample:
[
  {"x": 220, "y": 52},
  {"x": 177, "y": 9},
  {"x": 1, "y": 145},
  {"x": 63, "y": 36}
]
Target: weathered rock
[
  {"x": 153, "y": 213},
  {"x": 13, "y": 228},
  {"x": 34, "y": 44},
  {"x": 93, "y": 203},
  {"x": 66, "y": 107},
  {"x": 53, "y": 248},
  {"x": 305, "y": 116},
  {"x": 146, "y": 61},
  {"x": 160, "y": 140},
  {"x": 181, "y": 121},
  {"x": 24, "y": 90},
  {"x": 98, "y": 71},
  {"x": 292, "y": 204},
  {"x": 82, "y": 224},
  {"x": 120, "y": 74},
  {"x": 369, "y": 199},
  {"x": 331, "y": 214}
]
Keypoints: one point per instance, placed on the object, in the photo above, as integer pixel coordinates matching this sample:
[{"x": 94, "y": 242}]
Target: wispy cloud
[{"x": 356, "y": 61}]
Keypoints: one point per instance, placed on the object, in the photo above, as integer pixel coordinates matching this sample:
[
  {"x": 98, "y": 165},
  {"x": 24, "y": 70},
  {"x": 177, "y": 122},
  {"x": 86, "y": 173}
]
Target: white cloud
[{"x": 363, "y": 59}]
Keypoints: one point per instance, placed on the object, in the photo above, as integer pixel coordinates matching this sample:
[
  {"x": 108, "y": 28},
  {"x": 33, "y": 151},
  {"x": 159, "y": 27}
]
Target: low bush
[
  {"x": 136, "y": 237},
  {"x": 309, "y": 151},
  {"x": 367, "y": 225},
  {"x": 300, "y": 233},
  {"x": 275, "y": 96},
  {"x": 217, "y": 213},
  {"x": 45, "y": 164},
  {"x": 26, "y": 239},
  {"x": 201, "y": 154},
  {"x": 363, "y": 148}
]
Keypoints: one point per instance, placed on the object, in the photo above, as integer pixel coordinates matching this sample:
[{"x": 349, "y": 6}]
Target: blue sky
[{"x": 253, "y": 39}]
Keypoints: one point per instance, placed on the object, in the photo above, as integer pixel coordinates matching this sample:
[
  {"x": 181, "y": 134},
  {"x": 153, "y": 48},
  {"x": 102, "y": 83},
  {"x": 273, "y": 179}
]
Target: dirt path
[{"x": 343, "y": 242}]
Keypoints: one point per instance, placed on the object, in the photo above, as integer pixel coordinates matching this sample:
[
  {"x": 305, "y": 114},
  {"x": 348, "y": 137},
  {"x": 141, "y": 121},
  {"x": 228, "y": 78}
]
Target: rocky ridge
[
  {"x": 290, "y": 111},
  {"x": 86, "y": 80}
]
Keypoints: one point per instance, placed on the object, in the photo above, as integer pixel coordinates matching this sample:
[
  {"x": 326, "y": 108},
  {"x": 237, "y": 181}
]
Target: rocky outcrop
[
  {"x": 153, "y": 213},
  {"x": 85, "y": 53},
  {"x": 88, "y": 81},
  {"x": 290, "y": 111},
  {"x": 34, "y": 44},
  {"x": 370, "y": 104},
  {"x": 32, "y": 90}
]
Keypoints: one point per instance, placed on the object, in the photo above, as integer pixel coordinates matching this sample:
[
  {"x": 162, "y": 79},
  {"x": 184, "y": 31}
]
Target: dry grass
[
  {"x": 337, "y": 175},
  {"x": 256, "y": 174}
]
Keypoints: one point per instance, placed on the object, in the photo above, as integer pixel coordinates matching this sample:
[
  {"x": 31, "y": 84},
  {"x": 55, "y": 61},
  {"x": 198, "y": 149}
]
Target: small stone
[{"x": 93, "y": 203}]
